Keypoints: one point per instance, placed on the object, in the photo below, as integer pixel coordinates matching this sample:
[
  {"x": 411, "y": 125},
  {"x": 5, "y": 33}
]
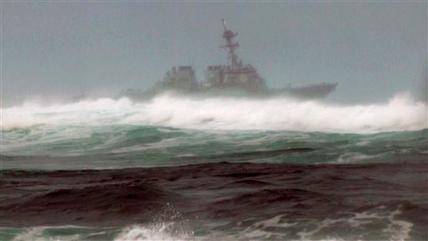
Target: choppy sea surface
[{"x": 187, "y": 168}]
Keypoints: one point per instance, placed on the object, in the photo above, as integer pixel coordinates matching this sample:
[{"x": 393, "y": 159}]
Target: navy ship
[{"x": 232, "y": 78}]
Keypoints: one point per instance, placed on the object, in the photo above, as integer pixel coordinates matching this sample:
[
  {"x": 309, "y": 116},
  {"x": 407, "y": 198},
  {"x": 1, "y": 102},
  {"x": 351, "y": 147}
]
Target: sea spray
[{"x": 401, "y": 113}]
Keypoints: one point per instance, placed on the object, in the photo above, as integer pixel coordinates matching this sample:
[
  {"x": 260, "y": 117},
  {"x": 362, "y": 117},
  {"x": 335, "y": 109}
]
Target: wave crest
[{"x": 226, "y": 113}]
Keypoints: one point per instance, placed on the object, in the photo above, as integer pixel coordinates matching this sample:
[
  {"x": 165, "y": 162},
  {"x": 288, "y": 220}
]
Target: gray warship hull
[{"x": 311, "y": 92}]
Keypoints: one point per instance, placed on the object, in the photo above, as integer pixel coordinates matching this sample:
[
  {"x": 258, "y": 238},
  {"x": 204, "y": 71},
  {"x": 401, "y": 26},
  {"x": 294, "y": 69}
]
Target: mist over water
[{"x": 400, "y": 113}]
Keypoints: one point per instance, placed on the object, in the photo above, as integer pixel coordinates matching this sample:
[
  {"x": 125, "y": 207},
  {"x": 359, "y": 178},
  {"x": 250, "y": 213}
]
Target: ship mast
[{"x": 228, "y": 36}]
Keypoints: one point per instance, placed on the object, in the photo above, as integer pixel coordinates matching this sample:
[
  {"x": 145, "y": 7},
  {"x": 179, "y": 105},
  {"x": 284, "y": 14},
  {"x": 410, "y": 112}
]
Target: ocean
[{"x": 220, "y": 168}]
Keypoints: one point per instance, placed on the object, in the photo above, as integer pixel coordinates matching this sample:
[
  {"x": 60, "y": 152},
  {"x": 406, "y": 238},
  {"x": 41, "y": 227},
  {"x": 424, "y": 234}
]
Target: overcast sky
[{"x": 372, "y": 49}]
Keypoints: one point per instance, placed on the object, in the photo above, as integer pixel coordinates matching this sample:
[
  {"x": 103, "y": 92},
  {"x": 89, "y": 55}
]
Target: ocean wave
[
  {"x": 177, "y": 130},
  {"x": 121, "y": 146},
  {"x": 221, "y": 201},
  {"x": 400, "y": 113}
]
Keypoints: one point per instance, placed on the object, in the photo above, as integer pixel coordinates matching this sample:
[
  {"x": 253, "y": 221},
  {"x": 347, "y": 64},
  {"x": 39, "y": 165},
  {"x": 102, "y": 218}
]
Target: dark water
[
  {"x": 219, "y": 201},
  {"x": 283, "y": 185},
  {"x": 180, "y": 169}
]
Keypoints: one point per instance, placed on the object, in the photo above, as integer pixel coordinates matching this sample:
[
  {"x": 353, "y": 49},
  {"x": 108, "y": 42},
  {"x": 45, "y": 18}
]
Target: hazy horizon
[{"x": 56, "y": 50}]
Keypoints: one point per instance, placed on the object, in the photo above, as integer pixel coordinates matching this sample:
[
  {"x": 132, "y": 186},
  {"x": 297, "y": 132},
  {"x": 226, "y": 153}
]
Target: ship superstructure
[
  {"x": 180, "y": 78},
  {"x": 234, "y": 75}
]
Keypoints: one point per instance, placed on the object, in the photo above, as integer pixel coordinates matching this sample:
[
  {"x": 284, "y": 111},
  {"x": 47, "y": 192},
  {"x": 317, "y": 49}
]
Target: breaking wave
[{"x": 400, "y": 113}]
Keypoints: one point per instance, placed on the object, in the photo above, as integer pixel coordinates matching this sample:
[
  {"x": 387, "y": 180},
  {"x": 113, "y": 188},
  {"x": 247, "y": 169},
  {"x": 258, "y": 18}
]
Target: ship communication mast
[{"x": 228, "y": 36}]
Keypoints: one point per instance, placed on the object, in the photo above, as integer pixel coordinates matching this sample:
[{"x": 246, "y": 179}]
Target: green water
[{"x": 118, "y": 146}]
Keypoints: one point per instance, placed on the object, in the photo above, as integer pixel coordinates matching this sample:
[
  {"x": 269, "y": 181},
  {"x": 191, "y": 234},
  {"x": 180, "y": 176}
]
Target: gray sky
[{"x": 372, "y": 49}]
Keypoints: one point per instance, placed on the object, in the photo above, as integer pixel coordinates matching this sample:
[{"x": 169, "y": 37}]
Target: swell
[
  {"x": 120, "y": 146},
  {"x": 232, "y": 196}
]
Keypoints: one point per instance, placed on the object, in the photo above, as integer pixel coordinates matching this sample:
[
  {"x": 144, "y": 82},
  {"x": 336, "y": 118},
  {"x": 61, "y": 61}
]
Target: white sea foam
[
  {"x": 37, "y": 234},
  {"x": 158, "y": 232},
  {"x": 226, "y": 113},
  {"x": 355, "y": 157},
  {"x": 398, "y": 229}
]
